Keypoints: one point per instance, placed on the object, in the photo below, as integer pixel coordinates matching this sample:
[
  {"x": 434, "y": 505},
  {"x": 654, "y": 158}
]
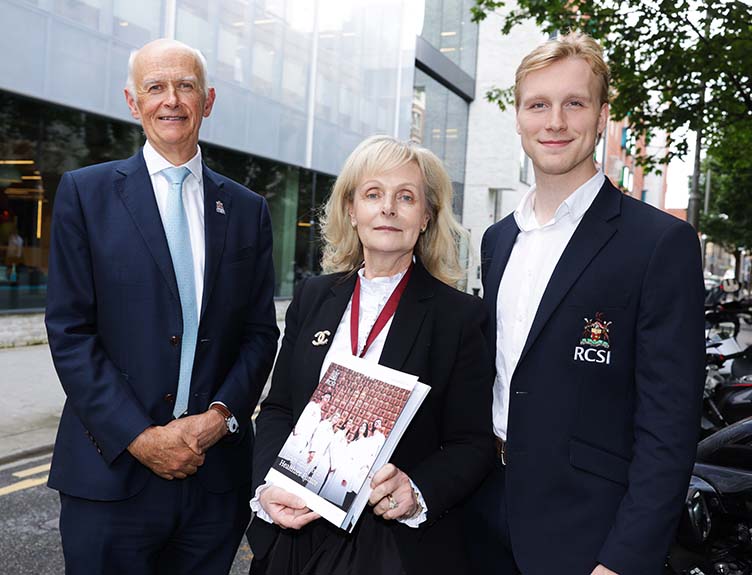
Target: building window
[
  {"x": 448, "y": 27},
  {"x": 626, "y": 179},
  {"x": 440, "y": 124},
  {"x": 497, "y": 202},
  {"x": 524, "y": 167}
]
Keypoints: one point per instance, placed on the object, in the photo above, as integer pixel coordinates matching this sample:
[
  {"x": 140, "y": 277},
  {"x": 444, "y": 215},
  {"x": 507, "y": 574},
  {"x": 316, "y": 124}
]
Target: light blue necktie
[{"x": 179, "y": 240}]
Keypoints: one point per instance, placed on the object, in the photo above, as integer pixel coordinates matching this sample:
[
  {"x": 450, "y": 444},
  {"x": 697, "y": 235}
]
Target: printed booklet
[{"x": 347, "y": 432}]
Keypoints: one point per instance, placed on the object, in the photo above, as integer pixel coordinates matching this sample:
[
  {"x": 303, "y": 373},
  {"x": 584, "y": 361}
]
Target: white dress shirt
[
  {"x": 374, "y": 294},
  {"x": 193, "y": 204},
  {"x": 534, "y": 256}
]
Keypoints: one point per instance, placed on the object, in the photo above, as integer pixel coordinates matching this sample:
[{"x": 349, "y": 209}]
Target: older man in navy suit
[
  {"x": 596, "y": 302},
  {"x": 162, "y": 328}
]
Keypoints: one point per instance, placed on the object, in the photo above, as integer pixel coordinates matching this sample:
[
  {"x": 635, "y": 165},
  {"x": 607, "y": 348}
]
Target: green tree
[
  {"x": 660, "y": 54},
  {"x": 675, "y": 64},
  {"x": 728, "y": 221}
]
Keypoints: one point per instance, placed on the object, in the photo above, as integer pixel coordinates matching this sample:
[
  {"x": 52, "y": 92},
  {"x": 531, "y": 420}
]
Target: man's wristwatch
[{"x": 230, "y": 421}]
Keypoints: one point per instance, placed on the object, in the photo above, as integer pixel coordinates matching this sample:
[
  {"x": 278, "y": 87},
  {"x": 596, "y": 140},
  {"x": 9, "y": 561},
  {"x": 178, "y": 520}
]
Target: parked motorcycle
[
  {"x": 727, "y": 396},
  {"x": 723, "y": 315},
  {"x": 715, "y": 531}
]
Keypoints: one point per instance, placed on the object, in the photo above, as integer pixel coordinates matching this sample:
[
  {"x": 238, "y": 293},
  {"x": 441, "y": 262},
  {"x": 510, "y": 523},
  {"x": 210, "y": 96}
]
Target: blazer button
[
  {"x": 169, "y": 398},
  {"x": 174, "y": 340}
]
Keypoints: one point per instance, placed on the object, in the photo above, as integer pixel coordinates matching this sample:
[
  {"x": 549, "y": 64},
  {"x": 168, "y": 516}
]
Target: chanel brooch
[{"x": 321, "y": 337}]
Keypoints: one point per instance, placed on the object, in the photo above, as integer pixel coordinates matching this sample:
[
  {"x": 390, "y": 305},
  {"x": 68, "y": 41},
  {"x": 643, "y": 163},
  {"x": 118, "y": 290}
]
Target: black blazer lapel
[
  {"x": 135, "y": 189},
  {"x": 408, "y": 318},
  {"x": 217, "y": 205},
  {"x": 325, "y": 318},
  {"x": 507, "y": 235},
  {"x": 593, "y": 232}
]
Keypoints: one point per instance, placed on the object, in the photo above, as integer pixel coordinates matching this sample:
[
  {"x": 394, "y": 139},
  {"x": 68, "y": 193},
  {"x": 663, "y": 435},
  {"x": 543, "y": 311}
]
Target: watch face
[{"x": 232, "y": 424}]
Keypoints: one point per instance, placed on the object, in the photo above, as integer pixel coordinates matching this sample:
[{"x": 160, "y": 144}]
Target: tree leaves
[{"x": 661, "y": 53}]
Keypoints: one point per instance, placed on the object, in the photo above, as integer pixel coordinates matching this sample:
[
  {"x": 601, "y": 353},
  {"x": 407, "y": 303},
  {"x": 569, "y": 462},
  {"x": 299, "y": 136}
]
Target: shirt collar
[
  {"x": 576, "y": 204},
  {"x": 388, "y": 281},
  {"x": 155, "y": 162}
]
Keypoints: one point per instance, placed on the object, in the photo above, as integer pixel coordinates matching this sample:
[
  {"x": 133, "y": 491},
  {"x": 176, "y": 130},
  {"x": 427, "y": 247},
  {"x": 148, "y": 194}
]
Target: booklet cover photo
[{"x": 347, "y": 431}]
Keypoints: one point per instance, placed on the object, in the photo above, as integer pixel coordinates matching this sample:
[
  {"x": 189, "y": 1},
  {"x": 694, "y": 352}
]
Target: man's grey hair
[{"x": 130, "y": 85}]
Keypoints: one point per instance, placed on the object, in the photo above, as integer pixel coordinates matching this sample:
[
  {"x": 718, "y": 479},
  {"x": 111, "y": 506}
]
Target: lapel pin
[
  {"x": 220, "y": 208},
  {"x": 321, "y": 337}
]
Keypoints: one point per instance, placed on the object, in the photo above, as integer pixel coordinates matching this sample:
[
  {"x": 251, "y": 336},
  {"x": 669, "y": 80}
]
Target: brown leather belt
[{"x": 501, "y": 450}]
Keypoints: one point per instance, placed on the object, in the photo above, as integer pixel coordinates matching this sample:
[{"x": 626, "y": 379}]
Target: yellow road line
[
  {"x": 32, "y": 471},
  {"x": 21, "y": 485}
]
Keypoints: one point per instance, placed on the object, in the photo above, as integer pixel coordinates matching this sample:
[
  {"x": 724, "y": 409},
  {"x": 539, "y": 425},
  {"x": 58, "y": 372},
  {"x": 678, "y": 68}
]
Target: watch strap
[{"x": 230, "y": 422}]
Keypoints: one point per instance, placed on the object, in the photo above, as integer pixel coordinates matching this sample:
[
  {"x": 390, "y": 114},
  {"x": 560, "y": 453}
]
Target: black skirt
[{"x": 322, "y": 549}]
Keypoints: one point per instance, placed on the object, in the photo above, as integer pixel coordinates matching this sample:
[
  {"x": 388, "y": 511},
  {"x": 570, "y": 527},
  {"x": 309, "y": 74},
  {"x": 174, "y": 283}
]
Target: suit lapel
[
  {"x": 593, "y": 232},
  {"x": 407, "y": 319},
  {"x": 502, "y": 251},
  {"x": 217, "y": 204},
  {"x": 135, "y": 189},
  {"x": 325, "y": 318}
]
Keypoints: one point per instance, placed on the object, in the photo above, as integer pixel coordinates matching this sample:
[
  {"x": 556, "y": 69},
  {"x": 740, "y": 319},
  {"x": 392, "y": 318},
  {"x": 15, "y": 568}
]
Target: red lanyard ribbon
[{"x": 384, "y": 316}]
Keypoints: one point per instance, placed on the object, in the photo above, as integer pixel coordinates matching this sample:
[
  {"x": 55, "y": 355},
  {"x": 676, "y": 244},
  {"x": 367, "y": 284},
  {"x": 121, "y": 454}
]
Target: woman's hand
[
  {"x": 392, "y": 496},
  {"x": 285, "y": 509}
]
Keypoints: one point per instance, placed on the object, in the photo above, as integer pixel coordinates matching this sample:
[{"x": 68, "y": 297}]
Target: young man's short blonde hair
[
  {"x": 437, "y": 247},
  {"x": 573, "y": 45}
]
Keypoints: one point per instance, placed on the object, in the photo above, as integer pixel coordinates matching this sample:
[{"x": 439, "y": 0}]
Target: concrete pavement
[{"x": 31, "y": 398}]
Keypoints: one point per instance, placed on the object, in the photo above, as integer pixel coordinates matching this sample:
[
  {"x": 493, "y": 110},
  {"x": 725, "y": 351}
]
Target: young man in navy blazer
[
  {"x": 161, "y": 324},
  {"x": 596, "y": 308}
]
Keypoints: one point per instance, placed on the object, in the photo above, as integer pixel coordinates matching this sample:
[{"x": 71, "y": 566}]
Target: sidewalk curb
[{"x": 24, "y": 453}]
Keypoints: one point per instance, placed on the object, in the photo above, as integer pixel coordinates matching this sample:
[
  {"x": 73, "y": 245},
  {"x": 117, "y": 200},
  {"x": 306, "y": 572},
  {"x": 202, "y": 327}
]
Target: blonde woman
[{"x": 390, "y": 237}]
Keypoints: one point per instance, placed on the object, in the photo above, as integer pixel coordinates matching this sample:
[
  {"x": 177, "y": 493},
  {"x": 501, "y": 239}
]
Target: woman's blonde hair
[
  {"x": 437, "y": 247},
  {"x": 572, "y": 45}
]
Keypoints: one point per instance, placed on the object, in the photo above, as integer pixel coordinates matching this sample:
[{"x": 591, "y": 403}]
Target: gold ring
[{"x": 392, "y": 502}]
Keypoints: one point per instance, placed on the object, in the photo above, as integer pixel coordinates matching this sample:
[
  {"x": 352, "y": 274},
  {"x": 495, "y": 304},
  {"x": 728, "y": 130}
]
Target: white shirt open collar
[{"x": 575, "y": 205}]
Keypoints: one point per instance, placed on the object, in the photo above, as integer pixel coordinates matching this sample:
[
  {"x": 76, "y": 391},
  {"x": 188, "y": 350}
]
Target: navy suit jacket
[
  {"x": 600, "y": 453},
  {"x": 114, "y": 323}
]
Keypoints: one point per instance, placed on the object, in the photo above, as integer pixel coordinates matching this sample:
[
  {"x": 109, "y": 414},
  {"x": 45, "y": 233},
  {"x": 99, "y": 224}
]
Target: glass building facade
[
  {"x": 448, "y": 28},
  {"x": 299, "y": 84},
  {"x": 444, "y": 85}
]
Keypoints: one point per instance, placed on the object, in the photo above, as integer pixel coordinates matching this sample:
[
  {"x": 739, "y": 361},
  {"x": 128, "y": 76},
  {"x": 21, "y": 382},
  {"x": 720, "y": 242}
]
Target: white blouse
[{"x": 374, "y": 294}]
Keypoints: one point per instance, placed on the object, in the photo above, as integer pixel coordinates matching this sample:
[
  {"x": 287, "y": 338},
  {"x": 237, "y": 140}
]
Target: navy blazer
[
  {"x": 601, "y": 447},
  {"x": 114, "y": 323},
  {"x": 446, "y": 450}
]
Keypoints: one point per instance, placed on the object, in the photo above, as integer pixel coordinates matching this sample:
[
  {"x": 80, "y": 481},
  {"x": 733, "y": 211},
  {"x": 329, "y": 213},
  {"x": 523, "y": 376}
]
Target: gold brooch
[{"x": 321, "y": 337}]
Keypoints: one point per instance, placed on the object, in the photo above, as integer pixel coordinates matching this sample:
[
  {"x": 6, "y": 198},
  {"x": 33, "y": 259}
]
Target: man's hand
[
  {"x": 392, "y": 485},
  {"x": 207, "y": 428},
  {"x": 602, "y": 570},
  {"x": 285, "y": 509},
  {"x": 168, "y": 452}
]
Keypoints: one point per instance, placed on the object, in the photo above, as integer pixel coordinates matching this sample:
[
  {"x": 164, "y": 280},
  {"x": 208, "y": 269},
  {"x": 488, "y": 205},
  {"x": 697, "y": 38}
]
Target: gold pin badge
[{"x": 321, "y": 337}]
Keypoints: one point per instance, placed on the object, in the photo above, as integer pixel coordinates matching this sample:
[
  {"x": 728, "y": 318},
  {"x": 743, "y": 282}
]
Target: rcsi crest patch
[{"x": 595, "y": 343}]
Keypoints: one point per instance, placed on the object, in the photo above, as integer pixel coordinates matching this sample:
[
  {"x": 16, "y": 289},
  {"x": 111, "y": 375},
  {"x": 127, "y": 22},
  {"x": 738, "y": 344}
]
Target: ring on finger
[{"x": 392, "y": 501}]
